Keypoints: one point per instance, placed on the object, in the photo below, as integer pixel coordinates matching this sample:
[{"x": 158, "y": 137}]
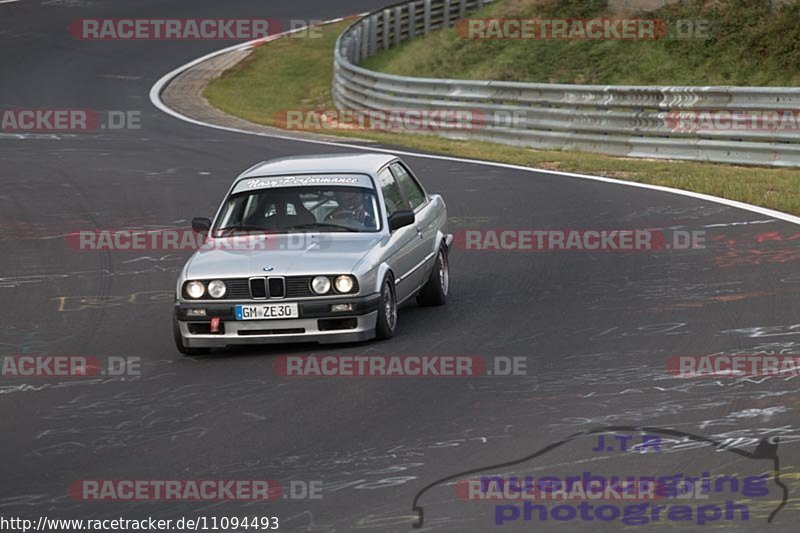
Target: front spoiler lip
[
  {"x": 365, "y": 330},
  {"x": 316, "y": 308}
]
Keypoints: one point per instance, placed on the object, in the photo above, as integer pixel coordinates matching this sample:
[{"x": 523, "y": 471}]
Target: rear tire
[
  {"x": 185, "y": 350},
  {"x": 387, "y": 310},
  {"x": 435, "y": 290}
]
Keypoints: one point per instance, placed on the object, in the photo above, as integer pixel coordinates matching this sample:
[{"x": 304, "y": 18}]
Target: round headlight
[
  {"x": 320, "y": 284},
  {"x": 195, "y": 289},
  {"x": 343, "y": 283},
  {"x": 217, "y": 288}
]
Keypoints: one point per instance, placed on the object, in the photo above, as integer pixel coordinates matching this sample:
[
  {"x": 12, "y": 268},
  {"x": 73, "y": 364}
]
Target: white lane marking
[
  {"x": 745, "y": 223},
  {"x": 155, "y": 98},
  {"x": 8, "y": 1}
]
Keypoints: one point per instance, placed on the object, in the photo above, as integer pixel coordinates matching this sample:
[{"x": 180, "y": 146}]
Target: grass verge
[
  {"x": 296, "y": 73},
  {"x": 729, "y": 42}
]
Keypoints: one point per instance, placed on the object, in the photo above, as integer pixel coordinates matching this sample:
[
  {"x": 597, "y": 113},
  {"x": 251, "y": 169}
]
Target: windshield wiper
[
  {"x": 321, "y": 225},
  {"x": 226, "y": 231}
]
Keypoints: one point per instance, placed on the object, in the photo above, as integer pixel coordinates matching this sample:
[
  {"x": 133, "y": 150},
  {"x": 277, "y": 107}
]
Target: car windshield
[{"x": 287, "y": 209}]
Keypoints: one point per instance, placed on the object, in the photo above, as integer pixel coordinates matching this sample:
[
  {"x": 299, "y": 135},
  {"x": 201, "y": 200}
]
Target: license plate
[{"x": 266, "y": 311}]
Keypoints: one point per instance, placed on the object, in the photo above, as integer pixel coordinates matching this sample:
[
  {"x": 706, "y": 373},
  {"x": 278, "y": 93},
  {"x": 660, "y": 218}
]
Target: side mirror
[
  {"x": 401, "y": 219},
  {"x": 201, "y": 225}
]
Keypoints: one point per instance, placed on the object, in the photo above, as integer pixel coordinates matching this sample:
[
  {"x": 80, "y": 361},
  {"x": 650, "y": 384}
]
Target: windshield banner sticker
[{"x": 303, "y": 181}]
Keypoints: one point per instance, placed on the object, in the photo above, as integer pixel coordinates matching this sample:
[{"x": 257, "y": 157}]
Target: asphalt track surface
[{"x": 595, "y": 328}]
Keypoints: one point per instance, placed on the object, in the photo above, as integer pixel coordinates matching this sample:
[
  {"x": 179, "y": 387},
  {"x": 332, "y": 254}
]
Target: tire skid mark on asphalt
[
  {"x": 23, "y": 340},
  {"x": 24, "y": 499},
  {"x": 779, "y": 330},
  {"x": 22, "y": 281}
]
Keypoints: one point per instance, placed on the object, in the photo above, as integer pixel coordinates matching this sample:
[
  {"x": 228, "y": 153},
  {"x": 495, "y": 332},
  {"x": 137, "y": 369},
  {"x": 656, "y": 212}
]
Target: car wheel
[
  {"x": 387, "y": 311},
  {"x": 435, "y": 290},
  {"x": 185, "y": 350}
]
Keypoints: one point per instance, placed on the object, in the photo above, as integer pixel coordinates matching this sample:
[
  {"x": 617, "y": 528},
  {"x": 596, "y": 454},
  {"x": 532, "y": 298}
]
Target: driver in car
[{"x": 353, "y": 206}]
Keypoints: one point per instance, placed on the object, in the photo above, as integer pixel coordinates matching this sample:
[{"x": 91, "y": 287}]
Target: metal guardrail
[{"x": 630, "y": 121}]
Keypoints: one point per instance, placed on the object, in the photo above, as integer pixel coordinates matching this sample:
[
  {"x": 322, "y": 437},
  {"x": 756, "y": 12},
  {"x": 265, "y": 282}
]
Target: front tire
[
  {"x": 185, "y": 350},
  {"x": 387, "y": 310},
  {"x": 435, "y": 290}
]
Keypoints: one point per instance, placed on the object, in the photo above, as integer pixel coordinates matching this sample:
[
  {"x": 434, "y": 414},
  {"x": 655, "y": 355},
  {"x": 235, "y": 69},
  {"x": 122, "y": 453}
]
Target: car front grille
[
  {"x": 267, "y": 288},
  {"x": 258, "y": 288},
  {"x": 299, "y": 287},
  {"x": 261, "y": 288},
  {"x": 238, "y": 289},
  {"x": 277, "y": 287}
]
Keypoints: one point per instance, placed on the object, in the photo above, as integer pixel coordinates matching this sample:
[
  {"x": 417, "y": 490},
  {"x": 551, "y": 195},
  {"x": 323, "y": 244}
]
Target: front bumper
[{"x": 316, "y": 323}]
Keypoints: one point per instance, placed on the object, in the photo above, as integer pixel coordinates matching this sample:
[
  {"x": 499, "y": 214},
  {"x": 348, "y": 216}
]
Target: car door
[
  {"x": 425, "y": 224},
  {"x": 401, "y": 255}
]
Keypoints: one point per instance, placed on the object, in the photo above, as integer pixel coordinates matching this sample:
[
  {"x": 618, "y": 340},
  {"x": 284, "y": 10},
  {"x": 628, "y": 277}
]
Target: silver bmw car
[{"x": 315, "y": 248}]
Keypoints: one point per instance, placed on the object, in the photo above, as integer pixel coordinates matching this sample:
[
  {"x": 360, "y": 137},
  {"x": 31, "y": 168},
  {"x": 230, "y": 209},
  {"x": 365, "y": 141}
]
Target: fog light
[
  {"x": 342, "y": 307},
  {"x": 195, "y": 312}
]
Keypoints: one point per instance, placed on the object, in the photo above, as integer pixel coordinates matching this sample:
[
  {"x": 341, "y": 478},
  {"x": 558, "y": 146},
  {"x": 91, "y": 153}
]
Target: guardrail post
[
  {"x": 346, "y": 49},
  {"x": 387, "y": 15},
  {"x": 398, "y": 24},
  {"x": 412, "y": 20},
  {"x": 363, "y": 38},
  {"x": 357, "y": 45},
  {"x": 426, "y": 21},
  {"x": 373, "y": 35},
  {"x": 462, "y": 8},
  {"x": 446, "y": 14}
]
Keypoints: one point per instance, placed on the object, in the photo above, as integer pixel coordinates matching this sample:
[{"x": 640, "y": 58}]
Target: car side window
[
  {"x": 391, "y": 192},
  {"x": 411, "y": 189}
]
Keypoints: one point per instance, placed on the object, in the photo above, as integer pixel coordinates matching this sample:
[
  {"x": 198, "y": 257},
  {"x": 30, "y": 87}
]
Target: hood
[{"x": 294, "y": 254}]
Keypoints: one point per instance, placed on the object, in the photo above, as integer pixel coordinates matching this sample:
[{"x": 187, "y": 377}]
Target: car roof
[{"x": 368, "y": 163}]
